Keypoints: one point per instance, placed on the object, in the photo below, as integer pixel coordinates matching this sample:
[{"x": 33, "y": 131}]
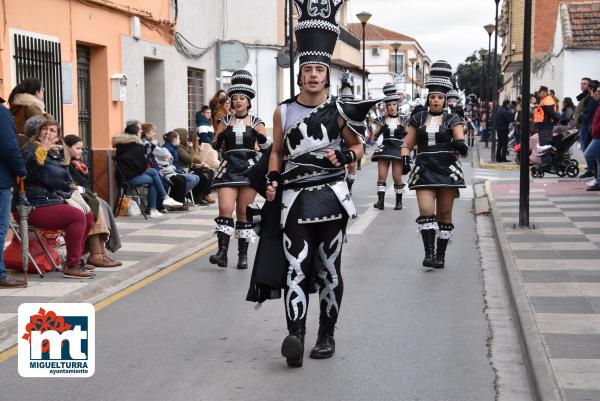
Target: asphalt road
[{"x": 403, "y": 333}]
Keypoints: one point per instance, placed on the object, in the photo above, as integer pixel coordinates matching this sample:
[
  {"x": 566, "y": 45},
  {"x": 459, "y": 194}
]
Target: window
[
  {"x": 36, "y": 57},
  {"x": 399, "y": 60},
  {"x": 195, "y": 95}
]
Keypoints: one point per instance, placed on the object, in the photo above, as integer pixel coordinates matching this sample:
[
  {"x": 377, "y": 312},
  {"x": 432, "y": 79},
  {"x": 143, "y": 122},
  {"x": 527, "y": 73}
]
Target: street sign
[{"x": 233, "y": 55}]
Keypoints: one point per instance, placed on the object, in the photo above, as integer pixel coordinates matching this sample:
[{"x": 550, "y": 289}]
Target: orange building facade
[{"x": 74, "y": 47}]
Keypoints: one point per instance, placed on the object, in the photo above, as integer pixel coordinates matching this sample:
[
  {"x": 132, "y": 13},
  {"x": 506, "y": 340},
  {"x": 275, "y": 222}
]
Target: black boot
[
  {"x": 220, "y": 258},
  {"x": 380, "y": 196},
  {"x": 398, "y": 189},
  {"x": 350, "y": 182},
  {"x": 428, "y": 229},
  {"x": 325, "y": 346},
  {"x": 442, "y": 243},
  {"x": 243, "y": 253},
  {"x": 292, "y": 347}
]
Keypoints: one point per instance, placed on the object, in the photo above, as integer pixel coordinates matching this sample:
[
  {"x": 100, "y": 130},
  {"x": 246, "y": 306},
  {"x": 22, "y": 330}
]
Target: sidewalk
[
  {"x": 485, "y": 159},
  {"x": 147, "y": 246},
  {"x": 553, "y": 272}
]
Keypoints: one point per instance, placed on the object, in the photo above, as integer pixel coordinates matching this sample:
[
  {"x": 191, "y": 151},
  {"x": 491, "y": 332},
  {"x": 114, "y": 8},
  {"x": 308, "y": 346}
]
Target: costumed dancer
[
  {"x": 307, "y": 167},
  {"x": 237, "y": 136},
  {"x": 392, "y": 127},
  {"x": 439, "y": 138}
]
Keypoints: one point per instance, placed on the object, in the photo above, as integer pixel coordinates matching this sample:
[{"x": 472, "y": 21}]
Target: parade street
[{"x": 404, "y": 334}]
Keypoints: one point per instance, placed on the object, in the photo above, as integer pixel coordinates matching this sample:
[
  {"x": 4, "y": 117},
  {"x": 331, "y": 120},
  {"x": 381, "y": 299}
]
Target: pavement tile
[
  {"x": 558, "y": 264},
  {"x": 587, "y": 224},
  {"x": 541, "y": 237},
  {"x": 562, "y": 305},
  {"x": 145, "y": 247},
  {"x": 6, "y": 316},
  {"x": 573, "y": 346},
  {"x": 540, "y": 276},
  {"x": 584, "y": 245},
  {"x": 581, "y": 395},
  {"x": 577, "y": 206},
  {"x": 586, "y": 218},
  {"x": 49, "y": 288},
  {"x": 553, "y": 254},
  {"x": 581, "y": 213},
  {"x": 576, "y": 365},
  {"x": 580, "y": 381}
]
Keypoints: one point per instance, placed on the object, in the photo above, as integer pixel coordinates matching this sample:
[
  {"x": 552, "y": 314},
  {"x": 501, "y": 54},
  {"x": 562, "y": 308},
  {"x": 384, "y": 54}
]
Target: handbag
[{"x": 77, "y": 201}]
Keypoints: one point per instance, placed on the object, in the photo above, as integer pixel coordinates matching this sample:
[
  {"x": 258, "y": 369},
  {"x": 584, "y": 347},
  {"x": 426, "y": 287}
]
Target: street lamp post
[
  {"x": 489, "y": 28},
  {"x": 482, "y": 54},
  {"x": 396, "y": 46},
  {"x": 364, "y": 18},
  {"x": 413, "y": 61},
  {"x": 495, "y": 86},
  {"x": 291, "y": 49},
  {"x": 525, "y": 87}
]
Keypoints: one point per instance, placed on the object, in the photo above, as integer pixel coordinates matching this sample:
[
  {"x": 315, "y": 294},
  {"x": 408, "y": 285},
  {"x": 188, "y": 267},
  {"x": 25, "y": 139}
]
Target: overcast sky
[{"x": 448, "y": 30}]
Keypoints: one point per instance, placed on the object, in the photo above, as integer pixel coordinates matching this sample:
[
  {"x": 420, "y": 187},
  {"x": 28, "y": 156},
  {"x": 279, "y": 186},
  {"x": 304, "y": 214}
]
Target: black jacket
[
  {"x": 48, "y": 183},
  {"x": 130, "y": 156},
  {"x": 11, "y": 161},
  {"x": 504, "y": 118}
]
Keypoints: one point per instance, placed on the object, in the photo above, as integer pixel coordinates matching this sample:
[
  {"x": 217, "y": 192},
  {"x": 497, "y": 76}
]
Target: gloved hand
[
  {"x": 406, "y": 164},
  {"x": 460, "y": 147},
  {"x": 345, "y": 157}
]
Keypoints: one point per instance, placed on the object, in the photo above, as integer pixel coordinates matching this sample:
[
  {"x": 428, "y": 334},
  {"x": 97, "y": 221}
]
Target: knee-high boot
[
  {"x": 398, "y": 188},
  {"x": 442, "y": 242},
  {"x": 224, "y": 231},
  {"x": 428, "y": 226},
  {"x": 380, "y": 196},
  {"x": 244, "y": 233}
]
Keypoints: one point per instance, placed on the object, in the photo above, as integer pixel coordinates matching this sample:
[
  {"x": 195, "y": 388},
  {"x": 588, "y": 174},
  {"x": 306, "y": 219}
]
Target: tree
[{"x": 471, "y": 75}]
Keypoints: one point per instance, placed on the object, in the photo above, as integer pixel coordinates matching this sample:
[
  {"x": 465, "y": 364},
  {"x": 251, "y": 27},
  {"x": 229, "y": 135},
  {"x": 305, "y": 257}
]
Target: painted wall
[{"x": 72, "y": 23}]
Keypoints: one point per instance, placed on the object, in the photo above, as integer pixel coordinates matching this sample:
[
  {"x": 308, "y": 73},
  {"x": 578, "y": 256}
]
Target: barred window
[
  {"x": 400, "y": 62},
  {"x": 40, "y": 58},
  {"x": 196, "y": 95}
]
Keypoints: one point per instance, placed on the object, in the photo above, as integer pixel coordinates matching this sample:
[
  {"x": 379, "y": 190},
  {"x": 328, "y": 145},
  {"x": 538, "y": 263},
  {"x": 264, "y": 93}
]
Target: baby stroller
[{"x": 560, "y": 164}]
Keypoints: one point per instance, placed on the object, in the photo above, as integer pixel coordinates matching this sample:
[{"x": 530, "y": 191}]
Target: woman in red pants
[{"x": 48, "y": 187}]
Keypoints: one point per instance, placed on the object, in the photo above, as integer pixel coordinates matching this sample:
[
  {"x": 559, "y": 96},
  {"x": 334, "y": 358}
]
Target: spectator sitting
[
  {"x": 592, "y": 153},
  {"x": 206, "y": 132},
  {"x": 104, "y": 232},
  {"x": 172, "y": 144},
  {"x": 168, "y": 172},
  {"x": 47, "y": 185},
  {"x": 186, "y": 152},
  {"x": 27, "y": 100},
  {"x": 11, "y": 166},
  {"x": 131, "y": 161}
]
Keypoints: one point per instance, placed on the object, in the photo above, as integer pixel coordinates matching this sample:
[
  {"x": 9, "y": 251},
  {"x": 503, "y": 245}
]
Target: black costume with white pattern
[
  {"x": 239, "y": 143},
  {"x": 393, "y": 138},
  {"x": 436, "y": 165}
]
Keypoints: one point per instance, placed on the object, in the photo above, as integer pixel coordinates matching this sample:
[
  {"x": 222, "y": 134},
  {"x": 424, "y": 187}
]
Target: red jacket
[{"x": 596, "y": 124}]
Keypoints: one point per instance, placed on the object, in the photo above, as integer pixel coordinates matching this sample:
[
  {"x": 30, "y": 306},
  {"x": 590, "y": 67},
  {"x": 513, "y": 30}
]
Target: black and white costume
[
  {"x": 238, "y": 144},
  {"x": 315, "y": 199},
  {"x": 436, "y": 165},
  {"x": 392, "y": 129}
]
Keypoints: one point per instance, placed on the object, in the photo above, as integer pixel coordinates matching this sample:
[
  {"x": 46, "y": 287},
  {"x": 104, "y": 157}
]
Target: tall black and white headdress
[
  {"x": 241, "y": 84},
  {"x": 317, "y": 30},
  {"x": 391, "y": 93},
  {"x": 439, "y": 78}
]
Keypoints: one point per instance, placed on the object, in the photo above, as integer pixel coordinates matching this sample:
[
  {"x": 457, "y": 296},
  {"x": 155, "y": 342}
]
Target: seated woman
[
  {"x": 172, "y": 142},
  {"x": 104, "y": 227},
  {"x": 48, "y": 186},
  {"x": 131, "y": 161},
  {"x": 186, "y": 152},
  {"x": 168, "y": 172}
]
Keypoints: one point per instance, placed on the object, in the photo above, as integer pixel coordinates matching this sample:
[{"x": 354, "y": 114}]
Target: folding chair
[
  {"x": 125, "y": 188},
  {"x": 36, "y": 233}
]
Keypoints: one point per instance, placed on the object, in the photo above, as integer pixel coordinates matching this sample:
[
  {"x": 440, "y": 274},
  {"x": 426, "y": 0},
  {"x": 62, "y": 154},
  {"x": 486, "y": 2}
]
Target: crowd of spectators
[{"x": 57, "y": 182}]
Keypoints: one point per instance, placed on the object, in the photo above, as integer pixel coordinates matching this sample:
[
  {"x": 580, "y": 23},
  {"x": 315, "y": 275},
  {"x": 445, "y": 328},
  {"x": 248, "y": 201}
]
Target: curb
[
  {"x": 540, "y": 374},
  {"x": 493, "y": 166},
  {"x": 112, "y": 284}
]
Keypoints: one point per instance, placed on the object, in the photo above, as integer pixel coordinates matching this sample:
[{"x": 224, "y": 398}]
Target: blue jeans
[
  {"x": 5, "y": 197},
  {"x": 592, "y": 157},
  {"x": 151, "y": 178},
  {"x": 191, "y": 180},
  {"x": 584, "y": 141}
]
